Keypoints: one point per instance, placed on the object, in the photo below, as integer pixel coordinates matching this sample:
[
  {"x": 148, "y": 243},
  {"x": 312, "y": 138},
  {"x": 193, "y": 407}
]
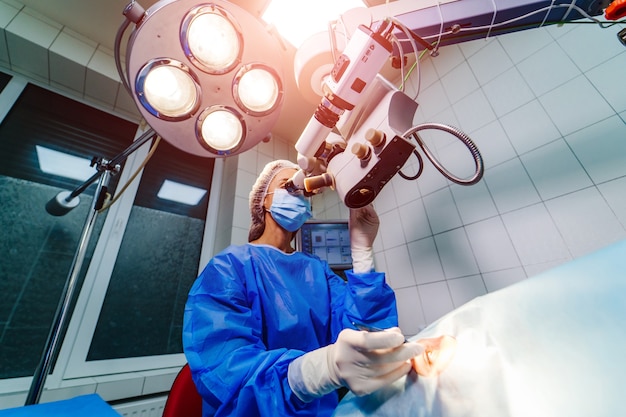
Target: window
[{"x": 37, "y": 249}]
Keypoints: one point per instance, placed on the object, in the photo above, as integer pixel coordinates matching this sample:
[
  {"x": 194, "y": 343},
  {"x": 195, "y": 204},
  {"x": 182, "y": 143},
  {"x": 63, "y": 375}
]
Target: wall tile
[
  {"x": 425, "y": 261},
  {"x": 405, "y": 190},
  {"x": 436, "y": 300},
  {"x": 442, "y": 211},
  {"x": 459, "y": 82},
  {"x": 489, "y": 62},
  {"x": 555, "y": 170},
  {"x": 601, "y": 148},
  {"x": 473, "y": 202},
  {"x": 510, "y": 186},
  {"x": 603, "y": 78},
  {"x": 466, "y": 289},
  {"x": 414, "y": 220},
  {"x": 473, "y": 112},
  {"x": 535, "y": 237},
  {"x": 390, "y": 230},
  {"x": 456, "y": 254},
  {"x": 399, "y": 271},
  {"x": 471, "y": 47},
  {"x": 500, "y": 279},
  {"x": 492, "y": 245},
  {"x": 386, "y": 200},
  {"x": 521, "y": 45},
  {"x": 449, "y": 57},
  {"x": 574, "y": 105},
  {"x": 433, "y": 100},
  {"x": 245, "y": 181},
  {"x": 493, "y": 144},
  {"x": 410, "y": 314},
  {"x": 586, "y": 45},
  {"x": 428, "y": 76},
  {"x": 431, "y": 180},
  {"x": 547, "y": 69},
  {"x": 529, "y": 127},
  {"x": 586, "y": 221},
  {"x": 507, "y": 92},
  {"x": 613, "y": 193},
  {"x": 241, "y": 213}
]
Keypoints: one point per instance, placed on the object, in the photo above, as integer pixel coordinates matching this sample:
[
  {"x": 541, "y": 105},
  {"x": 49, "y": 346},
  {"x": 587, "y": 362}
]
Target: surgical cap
[{"x": 258, "y": 193}]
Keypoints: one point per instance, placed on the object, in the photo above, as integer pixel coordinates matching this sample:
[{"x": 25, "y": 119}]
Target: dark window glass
[
  {"x": 4, "y": 80},
  {"x": 157, "y": 262},
  {"x": 36, "y": 248}
]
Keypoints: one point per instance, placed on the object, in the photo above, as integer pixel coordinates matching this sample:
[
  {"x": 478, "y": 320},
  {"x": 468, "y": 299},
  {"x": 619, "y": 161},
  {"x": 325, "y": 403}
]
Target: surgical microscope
[{"x": 358, "y": 138}]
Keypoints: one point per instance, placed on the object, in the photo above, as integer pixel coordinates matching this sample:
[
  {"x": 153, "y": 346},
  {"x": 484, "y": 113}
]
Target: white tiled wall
[{"x": 547, "y": 109}]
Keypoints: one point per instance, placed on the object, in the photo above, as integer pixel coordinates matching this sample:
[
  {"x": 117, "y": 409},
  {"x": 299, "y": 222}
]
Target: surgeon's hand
[
  {"x": 363, "y": 229},
  {"x": 361, "y": 361},
  {"x": 366, "y": 361}
]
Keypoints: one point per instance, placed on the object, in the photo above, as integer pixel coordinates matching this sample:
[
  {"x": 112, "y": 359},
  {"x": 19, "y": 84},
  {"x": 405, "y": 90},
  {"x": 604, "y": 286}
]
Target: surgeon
[{"x": 268, "y": 331}]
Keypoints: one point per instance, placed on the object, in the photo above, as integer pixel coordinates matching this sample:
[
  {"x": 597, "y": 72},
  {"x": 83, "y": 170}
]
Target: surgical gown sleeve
[
  {"x": 367, "y": 300},
  {"x": 247, "y": 317}
]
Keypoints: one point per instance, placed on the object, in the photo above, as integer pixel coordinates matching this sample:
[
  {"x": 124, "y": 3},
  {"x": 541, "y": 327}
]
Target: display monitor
[{"x": 329, "y": 240}]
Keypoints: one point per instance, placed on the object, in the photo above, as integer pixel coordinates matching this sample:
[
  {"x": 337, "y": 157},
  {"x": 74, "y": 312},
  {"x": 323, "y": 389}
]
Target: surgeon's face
[
  {"x": 278, "y": 182},
  {"x": 437, "y": 355}
]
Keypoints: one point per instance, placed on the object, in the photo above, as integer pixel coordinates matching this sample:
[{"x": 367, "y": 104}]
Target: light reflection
[
  {"x": 181, "y": 193},
  {"x": 63, "y": 164},
  {"x": 318, "y": 14}
]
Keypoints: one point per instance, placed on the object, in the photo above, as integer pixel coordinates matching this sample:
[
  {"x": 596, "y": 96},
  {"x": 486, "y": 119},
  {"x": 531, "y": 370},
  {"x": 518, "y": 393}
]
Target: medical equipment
[
  {"x": 362, "y": 111},
  {"x": 367, "y": 328},
  {"x": 359, "y": 136}
]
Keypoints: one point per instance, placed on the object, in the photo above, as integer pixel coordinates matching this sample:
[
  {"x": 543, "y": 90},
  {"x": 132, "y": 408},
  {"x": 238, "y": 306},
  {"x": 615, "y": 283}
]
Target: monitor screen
[{"x": 328, "y": 239}]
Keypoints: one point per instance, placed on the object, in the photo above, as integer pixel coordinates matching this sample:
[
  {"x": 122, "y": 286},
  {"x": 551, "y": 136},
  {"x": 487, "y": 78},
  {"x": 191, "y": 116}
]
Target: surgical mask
[{"x": 290, "y": 211}]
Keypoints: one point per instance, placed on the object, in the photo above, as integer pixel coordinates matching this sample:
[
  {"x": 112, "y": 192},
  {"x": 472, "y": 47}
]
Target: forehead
[{"x": 281, "y": 176}]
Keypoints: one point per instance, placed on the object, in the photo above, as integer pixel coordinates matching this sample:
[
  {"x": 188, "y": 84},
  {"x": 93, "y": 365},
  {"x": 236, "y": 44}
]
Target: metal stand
[{"x": 63, "y": 312}]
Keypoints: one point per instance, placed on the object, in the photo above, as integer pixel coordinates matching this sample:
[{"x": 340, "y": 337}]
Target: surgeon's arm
[
  {"x": 232, "y": 368},
  {"x": 364, "y": 224}
]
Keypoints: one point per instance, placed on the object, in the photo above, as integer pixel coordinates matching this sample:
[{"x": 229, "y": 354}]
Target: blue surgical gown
[{"x": 254, "y": 309}]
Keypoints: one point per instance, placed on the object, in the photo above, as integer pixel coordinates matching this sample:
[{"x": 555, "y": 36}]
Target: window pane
[
  {"x": 158, "y": 260},
  {"x": 4, "y": 80},
  {"x": 36, "y": 248}
]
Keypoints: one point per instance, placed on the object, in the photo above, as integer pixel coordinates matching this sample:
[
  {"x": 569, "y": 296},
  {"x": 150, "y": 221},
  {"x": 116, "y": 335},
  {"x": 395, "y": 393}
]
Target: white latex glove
[
  {"x": 358, "y": 360},
  {"x": 363, "y": 229}
]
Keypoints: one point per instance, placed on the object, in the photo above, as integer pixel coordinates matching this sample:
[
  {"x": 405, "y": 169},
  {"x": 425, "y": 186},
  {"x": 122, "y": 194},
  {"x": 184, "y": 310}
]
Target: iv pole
[{"x": 58, "y": 206}]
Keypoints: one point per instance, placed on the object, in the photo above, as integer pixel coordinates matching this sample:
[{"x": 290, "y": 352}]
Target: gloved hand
[
  {"x": 358, "y": 360},
  {"x": 363, "y": 229}
]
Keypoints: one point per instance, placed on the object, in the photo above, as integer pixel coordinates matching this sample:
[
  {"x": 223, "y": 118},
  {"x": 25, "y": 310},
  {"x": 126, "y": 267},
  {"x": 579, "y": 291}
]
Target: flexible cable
[{"x": 132, "y": 177}]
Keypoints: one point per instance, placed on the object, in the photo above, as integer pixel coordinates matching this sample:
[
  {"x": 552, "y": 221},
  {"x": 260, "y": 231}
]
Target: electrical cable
[
  {"x": 569, "y": 9},
  {"x": 545, "y": 18},
  {"x": 133, "y": 176},
  {"x": 420, "y": 161},
  {"x": 407, "y": 32},
  {"x": 547, "y": 8},
  {"x": 435, "y": 50},
  {"x": 493, "y": 18},
  {"x": 118, "y": 54},
  {"x": 469, "y": 144}
]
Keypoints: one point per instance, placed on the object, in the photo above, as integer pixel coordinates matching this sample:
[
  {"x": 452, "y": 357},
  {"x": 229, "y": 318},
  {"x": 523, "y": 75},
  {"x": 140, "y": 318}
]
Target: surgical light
[
  {"x": 207, "y": 77},
  {"x": 221, "y": 129},
  {"x": 211, "y": 40},
  {"x": 167, "y": 90},
  {"x": 256, "y": 90}
]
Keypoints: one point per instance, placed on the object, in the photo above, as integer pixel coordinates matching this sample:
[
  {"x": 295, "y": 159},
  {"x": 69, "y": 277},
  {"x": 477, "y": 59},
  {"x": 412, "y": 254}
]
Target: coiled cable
[{"x": 478, "y": 160}]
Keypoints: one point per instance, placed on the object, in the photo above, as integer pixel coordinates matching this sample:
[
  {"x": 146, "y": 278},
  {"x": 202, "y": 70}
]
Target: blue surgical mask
[{"x": 290, "y": 211}]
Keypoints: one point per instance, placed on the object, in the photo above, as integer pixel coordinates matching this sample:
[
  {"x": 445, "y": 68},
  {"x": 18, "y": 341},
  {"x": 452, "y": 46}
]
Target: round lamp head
[{"x": 207, "y": 78}]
